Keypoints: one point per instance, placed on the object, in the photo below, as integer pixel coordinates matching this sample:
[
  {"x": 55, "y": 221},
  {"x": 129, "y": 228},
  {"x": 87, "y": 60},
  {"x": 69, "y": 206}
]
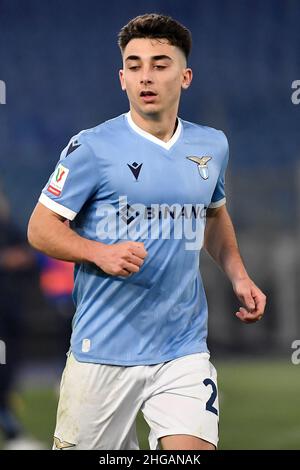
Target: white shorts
[{"x": 99, "y": 403}]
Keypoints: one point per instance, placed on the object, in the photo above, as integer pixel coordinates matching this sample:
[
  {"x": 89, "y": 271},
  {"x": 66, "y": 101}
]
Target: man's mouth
[
  {"x": 148, "y": 96},
  {"x": 147, "y": 93}
]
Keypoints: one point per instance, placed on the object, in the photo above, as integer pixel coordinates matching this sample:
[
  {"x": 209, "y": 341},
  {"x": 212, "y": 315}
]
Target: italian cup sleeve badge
[{"x": 58, "y": 180}]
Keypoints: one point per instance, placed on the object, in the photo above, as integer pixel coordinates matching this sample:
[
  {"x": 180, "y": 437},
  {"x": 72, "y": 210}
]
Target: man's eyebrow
[
  {"x": 155, "y": 57},
  {"x": 161, "y": 57},
  {"x": 132, "y": 57}
]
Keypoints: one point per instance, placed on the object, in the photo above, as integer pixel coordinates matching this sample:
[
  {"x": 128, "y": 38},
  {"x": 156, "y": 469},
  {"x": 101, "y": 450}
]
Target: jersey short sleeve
[
  {"x": 219, "y": 197},
  {"x": 73, "y": 181}
]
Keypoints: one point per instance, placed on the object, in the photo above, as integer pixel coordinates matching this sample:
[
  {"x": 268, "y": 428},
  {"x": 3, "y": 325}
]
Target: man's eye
[
  {"x": 133, "y": 67},
  {"x": 159, "y": 67}
]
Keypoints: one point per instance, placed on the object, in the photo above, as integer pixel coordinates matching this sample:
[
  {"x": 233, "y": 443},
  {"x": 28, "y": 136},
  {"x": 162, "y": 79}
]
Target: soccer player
[{"x": 144, "y": 192}]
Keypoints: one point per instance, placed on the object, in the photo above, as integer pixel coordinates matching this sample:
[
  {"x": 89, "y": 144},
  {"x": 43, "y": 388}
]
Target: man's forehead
[{"x": 147, "y": 47}]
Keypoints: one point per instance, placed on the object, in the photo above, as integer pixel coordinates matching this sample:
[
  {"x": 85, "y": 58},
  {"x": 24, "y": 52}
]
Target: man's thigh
[
  {"x": 184, "y": 442},
  {"x": 183, "y": 401},
  {"x": 97, "y": 407}
]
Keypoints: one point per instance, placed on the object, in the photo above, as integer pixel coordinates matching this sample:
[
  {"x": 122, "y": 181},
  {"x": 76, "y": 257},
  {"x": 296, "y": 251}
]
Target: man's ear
[
  {"x": 122, "y": 81},
  {"x": 187, "y": 78}
]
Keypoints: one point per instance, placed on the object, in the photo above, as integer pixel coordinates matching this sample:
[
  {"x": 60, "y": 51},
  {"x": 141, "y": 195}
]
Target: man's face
[{"x": 153, "y": 74}]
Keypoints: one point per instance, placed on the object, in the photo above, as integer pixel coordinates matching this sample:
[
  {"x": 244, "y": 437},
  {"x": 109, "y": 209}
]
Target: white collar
[{"x": 156, "y": 140}]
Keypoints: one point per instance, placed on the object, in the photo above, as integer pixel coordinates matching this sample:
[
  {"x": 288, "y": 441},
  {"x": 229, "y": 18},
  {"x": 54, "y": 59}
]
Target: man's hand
[
  {"x": 120, "y": 259},
  {"x": 252, "y": 299}
]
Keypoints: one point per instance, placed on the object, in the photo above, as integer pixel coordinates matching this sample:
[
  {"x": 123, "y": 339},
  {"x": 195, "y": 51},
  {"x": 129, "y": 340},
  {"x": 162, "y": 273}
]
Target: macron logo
[{"x": 135, "y": 169}]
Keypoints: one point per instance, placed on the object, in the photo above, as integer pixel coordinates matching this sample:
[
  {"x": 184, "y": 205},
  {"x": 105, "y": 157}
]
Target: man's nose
[
  {"x": 146, "y": 77},
  {"x": 146, "y": 81}
]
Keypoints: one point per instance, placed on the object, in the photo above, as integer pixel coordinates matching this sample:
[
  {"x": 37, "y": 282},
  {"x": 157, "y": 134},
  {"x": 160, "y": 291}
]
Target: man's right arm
[{"x": 47, "y": 232}]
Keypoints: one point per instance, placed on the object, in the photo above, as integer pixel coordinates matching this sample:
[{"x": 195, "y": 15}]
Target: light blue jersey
[{"x": 116, "y": 182}]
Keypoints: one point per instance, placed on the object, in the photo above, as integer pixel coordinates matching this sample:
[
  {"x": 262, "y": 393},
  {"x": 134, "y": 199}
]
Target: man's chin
[{"x": 151, "y": 110}]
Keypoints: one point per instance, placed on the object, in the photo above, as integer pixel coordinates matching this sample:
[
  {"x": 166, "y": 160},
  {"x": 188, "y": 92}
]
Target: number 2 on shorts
[{"x": 210, "y": 402}]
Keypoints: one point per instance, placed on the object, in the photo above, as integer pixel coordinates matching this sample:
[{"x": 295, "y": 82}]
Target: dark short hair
[{"x": 155, "y": 26}]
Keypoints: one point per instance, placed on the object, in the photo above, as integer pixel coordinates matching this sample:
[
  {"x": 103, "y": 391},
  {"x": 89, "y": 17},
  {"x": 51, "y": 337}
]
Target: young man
[{"x": 136, "y": 189}]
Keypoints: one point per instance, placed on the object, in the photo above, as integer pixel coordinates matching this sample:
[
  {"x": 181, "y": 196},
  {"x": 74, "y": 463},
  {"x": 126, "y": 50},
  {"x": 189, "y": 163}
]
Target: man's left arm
[{"x": 221, "y": 244}]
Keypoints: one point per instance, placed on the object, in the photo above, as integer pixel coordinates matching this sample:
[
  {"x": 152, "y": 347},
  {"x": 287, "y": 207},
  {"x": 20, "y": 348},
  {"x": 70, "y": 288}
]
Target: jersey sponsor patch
[{"x": 58, "y": 180}]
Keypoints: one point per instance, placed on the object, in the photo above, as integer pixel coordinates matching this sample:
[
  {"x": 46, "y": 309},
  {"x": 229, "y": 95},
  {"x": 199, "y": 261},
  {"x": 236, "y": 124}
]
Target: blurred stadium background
[{"x": 59, "y": 60}]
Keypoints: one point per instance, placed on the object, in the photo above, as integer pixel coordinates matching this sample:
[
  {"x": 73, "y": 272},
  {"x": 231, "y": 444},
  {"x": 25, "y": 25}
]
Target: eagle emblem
[
  {"x": 202, "y": 165},
  {"x": 62, "y": 444}
]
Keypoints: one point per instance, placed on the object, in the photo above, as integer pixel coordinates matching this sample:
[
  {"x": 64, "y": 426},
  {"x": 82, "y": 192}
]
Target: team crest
[
  {"x": 202, "y": 165},
  {"x": 60, "y": 445}
]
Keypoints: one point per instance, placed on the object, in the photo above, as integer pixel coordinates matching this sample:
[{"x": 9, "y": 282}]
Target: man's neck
[{"x": 163, "y": 128}]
